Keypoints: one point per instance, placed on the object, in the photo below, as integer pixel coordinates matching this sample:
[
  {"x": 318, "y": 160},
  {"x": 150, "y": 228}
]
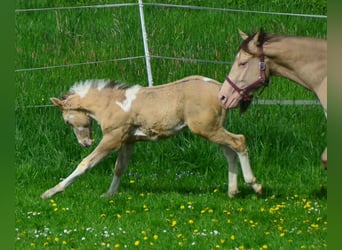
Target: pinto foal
[{"x": 130, "y": 114}]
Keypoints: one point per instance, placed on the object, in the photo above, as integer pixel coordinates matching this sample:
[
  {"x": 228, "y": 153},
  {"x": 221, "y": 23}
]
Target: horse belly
[{"x": 154, "y": 133}]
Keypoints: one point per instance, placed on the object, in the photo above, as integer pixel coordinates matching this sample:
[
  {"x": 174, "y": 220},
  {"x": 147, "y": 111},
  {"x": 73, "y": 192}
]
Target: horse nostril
[{"x": 222, "y": 98}]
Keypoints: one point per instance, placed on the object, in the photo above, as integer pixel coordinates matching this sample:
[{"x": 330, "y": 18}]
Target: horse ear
[
  {"x": 243, "y": 34},
  {"x": 57, "y": 102}
]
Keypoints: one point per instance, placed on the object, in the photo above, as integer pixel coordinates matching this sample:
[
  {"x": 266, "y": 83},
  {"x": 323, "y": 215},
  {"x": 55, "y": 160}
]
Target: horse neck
[{"x": 302, "y": 60}]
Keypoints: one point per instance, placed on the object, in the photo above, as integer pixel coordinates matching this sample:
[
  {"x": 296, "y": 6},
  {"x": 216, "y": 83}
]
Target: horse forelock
[{"x": 263, "y": 37}]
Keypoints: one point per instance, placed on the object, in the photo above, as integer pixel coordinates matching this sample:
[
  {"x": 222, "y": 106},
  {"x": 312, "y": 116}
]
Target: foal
[{"x": 130, "y": 114}]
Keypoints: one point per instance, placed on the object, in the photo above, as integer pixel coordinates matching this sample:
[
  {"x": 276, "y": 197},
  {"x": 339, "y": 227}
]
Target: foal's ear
[
  {"x": 57, "y": 102},
  {"x": 243, "y": 34}
]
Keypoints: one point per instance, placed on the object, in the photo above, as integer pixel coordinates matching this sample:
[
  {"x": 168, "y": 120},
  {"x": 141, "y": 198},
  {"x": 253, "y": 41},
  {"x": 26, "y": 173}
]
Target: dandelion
[
  {"x": 174, "y": 223},
  {"x": 191, "y": 221},
  {"x": 119, "y": 216},
  {"x": 103, "y": 215},
  {"x": 56, "y": 239},
  {"x": 264, "y": 247},
  {"x": 64, "y": 242},
  {"x": 216, "y": 190},
  {"x": 155, "y": 237},
  {"x": 117, "y": 245},
  {"x": 131, "y": 181},
  {"x": 145, "y": 208},
  {"x": 232, "y": 237},
  {"x": 137, "y": 243},
  {"x": 182, "y": 207}
]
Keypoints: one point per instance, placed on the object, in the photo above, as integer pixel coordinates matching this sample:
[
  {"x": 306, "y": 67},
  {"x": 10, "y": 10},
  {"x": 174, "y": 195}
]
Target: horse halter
[{"x": 262, "y": 81}]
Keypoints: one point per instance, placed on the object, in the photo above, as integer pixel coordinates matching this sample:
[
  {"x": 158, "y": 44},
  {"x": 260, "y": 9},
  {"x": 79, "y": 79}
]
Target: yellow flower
[
  {"x": 232, "y": 237},
  {"x": 174, "y": 223},
  {"x": 182, "y": 207},
  {"x": 155, "y": 237},
  {"x": 117, "y": 245},
  {"x": 137, "y": 243},
  {"x": 191, "y": 221}
]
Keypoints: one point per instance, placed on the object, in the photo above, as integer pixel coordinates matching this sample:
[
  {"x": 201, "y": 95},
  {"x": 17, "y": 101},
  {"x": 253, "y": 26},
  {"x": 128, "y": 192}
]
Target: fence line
[
  {"x": 80, "y": 64},
  {"x": 170, "y": 6},
  {"x": 254, "y": 102},
  {"x": 147, "y": 55}
]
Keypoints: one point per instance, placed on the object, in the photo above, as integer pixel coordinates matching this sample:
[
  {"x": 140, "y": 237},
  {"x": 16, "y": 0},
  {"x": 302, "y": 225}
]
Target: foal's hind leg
[
  {"x": 232, "y": 142},
  {"x": 120, "y": 167},
  {"x": 231, "y": 157}
]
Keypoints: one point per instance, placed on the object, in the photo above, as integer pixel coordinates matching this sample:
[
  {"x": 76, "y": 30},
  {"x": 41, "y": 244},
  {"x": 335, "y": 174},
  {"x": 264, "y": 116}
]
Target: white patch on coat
[
  {"x": 206, "y": 79},
  {"x": 130, "y": 95},
  {"x": 179, "y": 127},
  {"x": 80, "y": 128},
  {"x": 138, "y": 132}
]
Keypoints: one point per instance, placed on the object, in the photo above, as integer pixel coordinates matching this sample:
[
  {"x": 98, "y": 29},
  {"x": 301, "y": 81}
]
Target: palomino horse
[
  {"x": 130, "y": 114},
  {"x": 300, "y": 59}
]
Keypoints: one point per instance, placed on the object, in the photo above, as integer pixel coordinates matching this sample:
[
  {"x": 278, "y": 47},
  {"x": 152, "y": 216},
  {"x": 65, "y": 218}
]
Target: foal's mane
[{"x": 95, "y": 83}]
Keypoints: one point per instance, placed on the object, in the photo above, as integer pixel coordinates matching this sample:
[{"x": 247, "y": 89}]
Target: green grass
[{"x": 174, "y": 194}]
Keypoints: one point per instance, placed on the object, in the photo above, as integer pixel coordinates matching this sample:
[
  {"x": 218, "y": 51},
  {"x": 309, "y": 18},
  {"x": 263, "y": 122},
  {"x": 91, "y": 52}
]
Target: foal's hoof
[
  {"x": 106, "y": 195},
  {"x": 257, "y": 188},
  {"x": 232, "y": 194}
]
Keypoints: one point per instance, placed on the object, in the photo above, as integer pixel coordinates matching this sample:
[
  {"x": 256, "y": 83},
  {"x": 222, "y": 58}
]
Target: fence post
[{"x": 144, "y": 36}]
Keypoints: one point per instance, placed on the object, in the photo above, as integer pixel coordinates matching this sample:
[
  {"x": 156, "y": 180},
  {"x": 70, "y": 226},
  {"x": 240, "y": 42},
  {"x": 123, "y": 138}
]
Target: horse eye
[{"x": 242, "y": 63}]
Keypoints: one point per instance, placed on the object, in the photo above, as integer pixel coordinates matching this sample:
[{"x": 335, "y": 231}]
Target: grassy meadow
[{"x": 174, "y": 193}]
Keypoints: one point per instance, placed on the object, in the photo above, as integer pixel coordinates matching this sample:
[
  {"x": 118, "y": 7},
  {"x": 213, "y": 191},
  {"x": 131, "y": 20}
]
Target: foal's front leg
[
  {"x": 120, "y": 167},
  {"x": 105, "y": 147}
]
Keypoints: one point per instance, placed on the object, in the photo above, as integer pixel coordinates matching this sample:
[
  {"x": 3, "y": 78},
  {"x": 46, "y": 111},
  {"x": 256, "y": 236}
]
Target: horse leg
[
  {"x": 120, "y": 167},
  {"x": 236, "y": 143},
  {"x": 105, "y": 147},
  {"x": 321, "y": 92},
  {"x": 231, "y": 157},
  {"x": 325, "y": 158}
]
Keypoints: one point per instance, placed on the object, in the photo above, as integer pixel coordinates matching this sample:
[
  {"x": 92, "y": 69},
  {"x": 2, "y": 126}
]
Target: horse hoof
[
  {"x": 106, "y": 195},
  {"x": 232, "y": 194},
  {"x": 257, "y": 188}
]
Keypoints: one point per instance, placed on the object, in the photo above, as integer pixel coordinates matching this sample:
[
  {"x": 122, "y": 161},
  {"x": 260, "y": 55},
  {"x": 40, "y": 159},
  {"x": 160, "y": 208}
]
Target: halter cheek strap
[{"x": 262, "y": 81}]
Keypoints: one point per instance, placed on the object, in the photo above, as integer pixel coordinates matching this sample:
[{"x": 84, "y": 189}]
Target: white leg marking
[
  {"x": 130, "y": 95},
  {"x": 248, "y": 172}
]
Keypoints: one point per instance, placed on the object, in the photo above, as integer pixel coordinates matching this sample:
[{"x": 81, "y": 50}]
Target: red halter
[{"x": 262, "y": 81}]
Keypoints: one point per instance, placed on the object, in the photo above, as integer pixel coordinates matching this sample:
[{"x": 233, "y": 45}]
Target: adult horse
[
  {"x": 261, "y": 55},
  {"x": 130, "y": 114}
]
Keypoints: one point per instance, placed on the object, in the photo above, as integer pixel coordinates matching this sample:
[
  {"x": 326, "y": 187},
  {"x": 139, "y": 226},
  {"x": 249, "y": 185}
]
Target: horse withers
[
  {"x": 127, "y": 114},
  {"x": 261, "y": 55}
]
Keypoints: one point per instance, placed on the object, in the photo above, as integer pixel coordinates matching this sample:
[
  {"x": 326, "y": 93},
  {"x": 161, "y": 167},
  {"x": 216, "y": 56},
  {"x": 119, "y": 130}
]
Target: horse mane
[
  {"x": 263, "y": 37},
  {"x": 82, "y": 86}
]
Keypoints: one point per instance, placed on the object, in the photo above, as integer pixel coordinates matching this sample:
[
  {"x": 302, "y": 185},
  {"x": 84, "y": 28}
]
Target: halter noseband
[{"x": 262, "y": 81}]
